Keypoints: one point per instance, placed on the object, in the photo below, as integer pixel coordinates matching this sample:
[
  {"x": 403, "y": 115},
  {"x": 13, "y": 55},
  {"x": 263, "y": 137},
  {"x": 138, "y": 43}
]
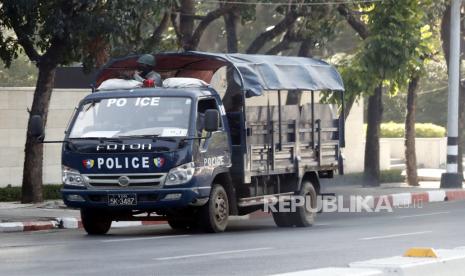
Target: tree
[
  {"x": 50, "y": 33},
  {"x": 184, "y": 16},
  {"x": 424, "y": 51},
  {"x": 392, "y": 32},
  {"x": 300, "y": 27}
]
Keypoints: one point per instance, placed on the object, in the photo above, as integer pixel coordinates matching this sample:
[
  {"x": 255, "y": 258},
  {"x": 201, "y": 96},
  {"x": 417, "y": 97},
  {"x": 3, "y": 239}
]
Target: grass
[{"x": 14, "y": 193}]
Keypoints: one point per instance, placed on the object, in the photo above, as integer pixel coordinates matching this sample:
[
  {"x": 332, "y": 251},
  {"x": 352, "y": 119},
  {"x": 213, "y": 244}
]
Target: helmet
[{"x": 146, "y": 59}]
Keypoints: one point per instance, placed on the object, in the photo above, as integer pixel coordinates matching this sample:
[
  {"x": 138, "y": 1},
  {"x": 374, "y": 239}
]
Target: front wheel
[
  {"x": 213, "y": 216},
  {"x": 95, "y": 222},
  {"x": 180, "y": 224}
]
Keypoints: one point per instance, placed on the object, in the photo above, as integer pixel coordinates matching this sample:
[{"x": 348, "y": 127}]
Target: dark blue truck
[{"x": 176, "y": 153}]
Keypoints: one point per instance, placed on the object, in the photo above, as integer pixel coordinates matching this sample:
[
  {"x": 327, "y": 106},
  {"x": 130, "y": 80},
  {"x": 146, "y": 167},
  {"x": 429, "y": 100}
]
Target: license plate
[{"x": 122, "y": 199}]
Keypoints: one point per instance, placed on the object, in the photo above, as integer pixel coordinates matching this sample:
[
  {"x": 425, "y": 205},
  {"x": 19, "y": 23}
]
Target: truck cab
[
  {"x": 176, "y": 153},
  {"x": 150, "y": 149}
]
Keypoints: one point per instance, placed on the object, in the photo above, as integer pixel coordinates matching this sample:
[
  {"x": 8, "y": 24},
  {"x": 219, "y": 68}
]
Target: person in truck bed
[{"x": 145, "y": 70}]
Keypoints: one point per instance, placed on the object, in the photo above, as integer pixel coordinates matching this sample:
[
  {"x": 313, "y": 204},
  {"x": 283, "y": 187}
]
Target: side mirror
[
  {"x": 212, "y": 120},
  {"x": 36, "y": 126}
]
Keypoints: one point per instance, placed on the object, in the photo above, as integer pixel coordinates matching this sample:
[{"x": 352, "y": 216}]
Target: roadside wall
[
  {"x": 431, "y": 152},
  {"x": 14, "y": 102},
  {"x": 355, "y": 140}
]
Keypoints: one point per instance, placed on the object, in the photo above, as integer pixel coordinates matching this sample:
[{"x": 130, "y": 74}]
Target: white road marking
[
  {"x": 394, "y": 235},
  {"x": 145, "y": 238},
  {"x": 212, "y": 253},
  {"x": 422, "y": 215}
]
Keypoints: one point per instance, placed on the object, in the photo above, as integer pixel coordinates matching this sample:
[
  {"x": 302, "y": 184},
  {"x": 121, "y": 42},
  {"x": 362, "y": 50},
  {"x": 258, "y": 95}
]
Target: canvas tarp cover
[{"x": 255, "y": 73}]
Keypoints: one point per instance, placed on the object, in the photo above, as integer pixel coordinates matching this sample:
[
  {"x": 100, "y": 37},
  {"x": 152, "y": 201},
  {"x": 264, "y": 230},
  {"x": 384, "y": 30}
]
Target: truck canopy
[{"x": 255, "y": 73}]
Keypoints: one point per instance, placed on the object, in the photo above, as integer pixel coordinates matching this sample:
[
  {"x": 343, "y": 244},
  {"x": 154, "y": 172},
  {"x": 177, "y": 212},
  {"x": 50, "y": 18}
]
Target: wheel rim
[{"x": 221, "y": 207}]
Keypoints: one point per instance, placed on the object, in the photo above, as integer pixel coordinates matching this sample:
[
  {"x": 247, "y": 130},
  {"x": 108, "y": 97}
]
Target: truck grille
[{"x": 146, "y": 180}]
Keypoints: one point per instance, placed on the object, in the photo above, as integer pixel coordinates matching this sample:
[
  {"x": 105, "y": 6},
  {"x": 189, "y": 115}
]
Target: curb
[
  {"x": 395, "y": 200},
  {"x": 8, "y": 227}
]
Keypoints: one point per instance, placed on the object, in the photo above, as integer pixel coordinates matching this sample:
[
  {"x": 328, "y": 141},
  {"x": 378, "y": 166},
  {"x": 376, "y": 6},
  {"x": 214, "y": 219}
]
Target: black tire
[
  {"x": 95, "y": 222},
  {"x": 303, "y": 217},
  {"x": 179, "y": 224},
  {"x": 213, "y": 216},
  {"x": 282, "y": 219}
]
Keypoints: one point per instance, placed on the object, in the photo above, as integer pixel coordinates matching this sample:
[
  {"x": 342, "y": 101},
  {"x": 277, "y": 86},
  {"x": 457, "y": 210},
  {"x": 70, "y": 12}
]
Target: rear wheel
[
  {"x": 213, "y": 216},
  {"x": 95, "y": 222},
  {"x": 282, "y": 219},
  {"x": 304, "y": 216}
]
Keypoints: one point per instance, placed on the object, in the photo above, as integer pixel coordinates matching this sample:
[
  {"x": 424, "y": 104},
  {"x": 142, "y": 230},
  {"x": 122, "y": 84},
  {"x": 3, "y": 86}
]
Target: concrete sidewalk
[
  {"x": 54, "y": 214},
  {"x": 338, "y": 188}
]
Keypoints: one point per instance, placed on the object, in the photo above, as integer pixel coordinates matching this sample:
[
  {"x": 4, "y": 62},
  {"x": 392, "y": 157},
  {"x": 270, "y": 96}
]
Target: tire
[
  {"x": 95, "y": 222},
  {"x": 213, "y": 216},
  {"x": 282, "y": 219},
  {"x": 302, "y": 217},
  {"x": 178, "y": 224}
]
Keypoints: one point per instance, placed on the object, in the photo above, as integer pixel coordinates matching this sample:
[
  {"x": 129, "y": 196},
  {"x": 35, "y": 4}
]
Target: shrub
[
  {"x": 423, "y": 130},
  {"x": 14, "y": 193},
  {"x": 391, "y": 176},
  {"x": 429, "y": 131}
]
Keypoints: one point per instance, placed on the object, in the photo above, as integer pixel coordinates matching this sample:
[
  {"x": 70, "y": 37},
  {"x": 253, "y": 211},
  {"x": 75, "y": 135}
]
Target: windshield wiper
[
  {"x": 151, "y": 136},
  {"x": 100, "y": 139}
]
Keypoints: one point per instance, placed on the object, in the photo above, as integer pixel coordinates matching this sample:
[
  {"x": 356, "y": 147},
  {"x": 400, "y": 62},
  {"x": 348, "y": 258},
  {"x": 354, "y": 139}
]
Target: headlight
[
  {"x": 73, "y": 177},
  {"x": 181, "y": 174}
]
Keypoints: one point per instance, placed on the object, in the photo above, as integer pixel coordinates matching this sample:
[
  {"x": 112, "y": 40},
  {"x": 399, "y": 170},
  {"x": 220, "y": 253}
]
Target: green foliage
[
  {"x": 431, "y": 97},
  {"x": 391, "y": 176},
  {"x": 422, "y": 130},
  {"x": 429, "y": 130},
  {"x": 397, "y": 42},
  {"x": 392, "y": 130},
  {"x": 21, "y": 73},
  {"x": 400, "y": 40},
  {"x": 136, "y": 26},
  {"x": 14, "y": 193}
]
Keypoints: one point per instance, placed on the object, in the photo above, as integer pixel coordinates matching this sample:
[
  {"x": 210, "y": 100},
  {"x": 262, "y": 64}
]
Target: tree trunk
[
  {"x": 410, "y": 152},
  {"x": 33, "y": 160},
  {"x": 230, "y": 24},
  {"x": 260, "y": 41},
  {"x": 186, "y": 23},
  {"x": 374, "y": 117},
  {"x": 232, "y": 99}
]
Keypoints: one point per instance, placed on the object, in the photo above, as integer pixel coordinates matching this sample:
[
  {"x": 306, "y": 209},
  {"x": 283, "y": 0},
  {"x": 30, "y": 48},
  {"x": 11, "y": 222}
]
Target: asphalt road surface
[{"x": 247, "y": 248}]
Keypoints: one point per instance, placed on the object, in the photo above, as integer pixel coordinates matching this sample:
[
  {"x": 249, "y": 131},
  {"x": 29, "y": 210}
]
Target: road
[{"x": 247, "y": 248}]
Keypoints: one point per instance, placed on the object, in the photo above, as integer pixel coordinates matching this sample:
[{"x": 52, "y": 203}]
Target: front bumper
[{"x": 147, "y": 199}]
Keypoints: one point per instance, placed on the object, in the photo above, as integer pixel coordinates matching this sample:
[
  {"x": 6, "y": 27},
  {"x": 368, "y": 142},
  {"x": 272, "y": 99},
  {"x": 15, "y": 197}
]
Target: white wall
[
  {"x": 355, "y": 140},
  {"x": 14, "y": 102},
  {"x": 431, "y": 152}
]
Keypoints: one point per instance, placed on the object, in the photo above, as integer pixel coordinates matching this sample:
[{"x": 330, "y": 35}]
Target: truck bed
[{"x": 303, "y": 144}]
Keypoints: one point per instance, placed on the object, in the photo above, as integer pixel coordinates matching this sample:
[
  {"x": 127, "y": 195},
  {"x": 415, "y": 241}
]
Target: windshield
[{"x": 118, "y": 117}]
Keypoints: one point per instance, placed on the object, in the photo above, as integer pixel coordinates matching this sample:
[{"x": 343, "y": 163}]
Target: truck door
[{"x": 214, "y": 152}]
